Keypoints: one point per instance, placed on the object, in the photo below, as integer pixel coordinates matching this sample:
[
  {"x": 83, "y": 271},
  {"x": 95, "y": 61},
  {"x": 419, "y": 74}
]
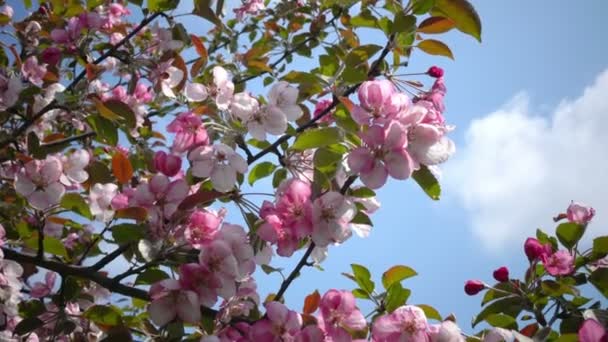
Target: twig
[
  {"x": 294, "y": 273},
  {"x": 110, "y": 257},
  {"x": 93, "y": 243},
  {"x": 69, "y": 139}
]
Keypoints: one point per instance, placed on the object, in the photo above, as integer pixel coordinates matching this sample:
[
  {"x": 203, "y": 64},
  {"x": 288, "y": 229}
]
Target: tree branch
[{"x": 110, "y": 257}]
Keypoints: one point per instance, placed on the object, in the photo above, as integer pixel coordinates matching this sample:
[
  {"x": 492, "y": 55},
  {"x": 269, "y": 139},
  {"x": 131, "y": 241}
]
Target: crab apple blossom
[
  {"x": 161, "y": 193},
  {"x": 10, "y": 87},
  {"x": 592, "y": 331},
  {"x": 340, "y": 314},
  {"x": 435, "y": 72},
  {"x": 40, "y": 289},
  {"x": 447, "y": 331},
  {"x": 320, "y": 107},
  {"x": 331, "y": 216},
  {"x": 535, "y": 250},
  {"x": 579, "y": 213},
  {"x": 38, "y": 181},
  {"x": 499, "y": 335},
  {"x": 281, "y": 324},
  {"x": 202, "y": 227},
  {"x": 559, "y": 263},
  {"x": 100, "y": 200},
  {"x": 74, "y": 167},
  {"x": 378, "y": 103},
  {"x": 249, "y": 7},
  {"x": 33, "y": 71},
  {"x": 167, "y": 164},
  {"x": 384, "y": 153},
  {"x": 7, "y": 11},
  {"x": 258, "y": 120},
  {"x": 284, "y": 97},
  {"x": 170, "y": 301},
  {"x": 189, "y": 132},
  {"x": 222, "y": 89},
  {"x": 168, "y": 77},
  {"x": 218, "y": 162},
  {"x": 195, "y": 92},
  {"x": 406, "y": 323}
]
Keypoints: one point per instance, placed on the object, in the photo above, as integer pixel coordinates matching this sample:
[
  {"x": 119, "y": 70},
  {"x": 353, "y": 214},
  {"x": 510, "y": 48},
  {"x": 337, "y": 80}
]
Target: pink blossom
[
  {"x": 280, "y": 325},
  {"x": 7, "y": 11},
  {"x": 164, "y": 39},
  {"x": 202, "y": 227},
  {"x": 33, "y": 71},
  {"x": 238, "y": 241},
  {"x": 74, "y": 167},
  {"x": 190, "y": 132},
  {"x": 579, "y": 213},
  {"x": 331, "y": 215},
  {"x": 168, "y": 77},
  {"x": 40, "y": 289},
  {"x": 10, "y": 87},
  {"x": 249, "y": 7},
  {"x": 339, "y": 315},
  {"x": 473, "y": 287},
  {"x": 38, "y": 181},
  {"x": 220, "y": 163},
  {"x": 259, "y": 121},
  {"x": 406, "y": 323},
  {"x": 170, "y": 301},
  {"x": 200, "y": 280},
  {"x": 284, "y": 97},
  {"x": 168, "y": 164},
  {"x": 378, "y": 103},
  {"x": 68, "y": 35},
  {"x": 53, "y": 228},
  {"x": 592, "y": 331},
  {"x": 222, "y": 88},
  {"x": 384, "y": 153},
  {"x": 447, "y": 331},
  {"x": 294, "y": 206},
  {"x": 143, "y": 93},
  {"x": 195, "y": 92},
  {"x": 100, "y": 200},
  {"x": 219, "y": 259},
  {"x": 274, "y": 231},
  {"x": 499, "y": 335},
  {"x": 559, "y": 263},
  {"x": 161, "y": 192},
  {"x": 320, "y": 107},
  {"x": 310, "y": 333},
  {"x": 435, "y": 72}
]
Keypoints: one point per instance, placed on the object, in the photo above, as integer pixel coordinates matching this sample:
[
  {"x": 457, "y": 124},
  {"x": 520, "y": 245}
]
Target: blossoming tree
[{"x": 124, "y": 138}]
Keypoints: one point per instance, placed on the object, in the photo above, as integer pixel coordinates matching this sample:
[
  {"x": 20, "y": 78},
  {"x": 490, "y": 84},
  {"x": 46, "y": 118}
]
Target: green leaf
[
  {"x": 104, "y": 315},
  {"x": 404, "y": 23},
  {"x": 107, "y": 133},
  {"x": 397, "y": 274},
  {"x": 261, "y": 170},
  {"x": 50, "y": 245},
  {"x": 269, "y": 269},
  {"x": 260, "y": 144},
  {"x": 28, "y": 325},
  {"x": 422, "y": 6},
  {"x": 599, "y": 279},
  {"x": 362, "y": 192},
  {"x": 123, "y": 111},
  {"x": 396, "y": 296},
  {"x": 315, "y": 138},
  {"x": 364, "y": 19},
  {"x": 150, "y": 276},
  {"x": 278, "y": 177},
  {"x": 328, "y": 65},
  {"x": 427, "y": 182},
  {"x": 567, "y": 338},
  {"x": 555, "y": 289},
  {"x": 362, "y": 218},
  {"x": 569, "y": 233},
  {"x": 203, "y": 9},
  {"x": 77, "y": 204},
  {"x": 492, "y": 294},
  {"x": 127, "y": 232},
  {"x": 162, "y": 5},
  {"x": 435, "y": 47},
  {"x": 31, "y": 308},
  {"x": 502, "y": 321},
  {"x": 353, "y": 75},
  {"x": 511, "y": 306},
  {"x": 600, "y": 245},
  {"x": 430, "y": 312},
  {"x": 361, "y": 54},
  {"x": 359, "y": 293},
  {"x": 463, "y": 14},
  {"x": 363, "y": 277}
]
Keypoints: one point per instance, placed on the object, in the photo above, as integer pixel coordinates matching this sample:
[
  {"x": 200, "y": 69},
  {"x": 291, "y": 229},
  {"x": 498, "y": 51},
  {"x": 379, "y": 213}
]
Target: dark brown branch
[
  {"x": 77, "y": 271},
  {"x": 294, "y": 273},
  {"x": 69, "y": 139},
  {"x": 110, "y": 257}
]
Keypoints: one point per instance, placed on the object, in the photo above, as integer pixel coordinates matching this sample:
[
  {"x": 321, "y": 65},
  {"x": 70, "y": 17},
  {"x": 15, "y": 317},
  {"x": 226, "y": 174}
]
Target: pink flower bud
[
  {"x": 473, "y": 287},
  {"x": 120, "y": 201},
  {"x": 535, "y": 250},
  {"x": 578, "y": 213},
  {"x": 51, "y": 55},
  {"x": 168, "y": 164},
  {"x": 501, "y": 274},
  {"x": 435, "y": 72}
]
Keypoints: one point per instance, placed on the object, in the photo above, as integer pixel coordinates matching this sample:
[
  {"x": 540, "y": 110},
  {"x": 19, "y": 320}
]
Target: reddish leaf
[
  {"x": 311, "y": 303},
  {"x": 347, "y": 103},
  {"x": 435, "y": 47},
  {"x": 135, "y": 213},
  {"x": 199, "y": 46},
  {"x": 201, "y": 197},
  {"x": 53, "y": 137},
  {"x": 121, "y": 168},
  {"x": 436, "y": 25},
  {"x": 529, "y": 330},
  {"x": 196, "y": 67}
]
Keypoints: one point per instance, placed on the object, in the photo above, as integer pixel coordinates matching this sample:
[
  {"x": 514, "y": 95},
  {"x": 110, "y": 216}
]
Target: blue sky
[{"x": 521, "y": 114}]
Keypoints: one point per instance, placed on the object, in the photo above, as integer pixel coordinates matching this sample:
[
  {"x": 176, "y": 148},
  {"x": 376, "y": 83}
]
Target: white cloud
[{"x": 516, "y": 169}]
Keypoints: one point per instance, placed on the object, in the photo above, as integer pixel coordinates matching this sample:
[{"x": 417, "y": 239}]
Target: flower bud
[
  {"x": 51, "y": 55},
  {"x": 473, "y": 287},
  {"x": 168, "y": 164},
  {"x": 435, "y": 72},
  {"x": 501, "y": 274},
  {"x": 535, "y": 250}
]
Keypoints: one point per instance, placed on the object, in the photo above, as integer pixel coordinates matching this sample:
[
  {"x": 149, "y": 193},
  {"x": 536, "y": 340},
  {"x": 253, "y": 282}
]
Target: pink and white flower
[
  {"x": 447, "y": 331},
  {"x": 222, "y": 89},
  {"x": 195, "y": 92},
  {"x": 38, "y": 181},
  {"x": 170, "y": 301},
  {"x": 161, "y": 196},
  {"x": 167, "y": 164},
  {"x": 220, "y": 163},
  {"x": 379, "y": 103},
  {"x": 280, "y": 325},
  {"x": 33, "y": 71},
  {"x": 285, "y": 98},
  {"x": 339, "y": 315},
  {"x": 331, "y": 216},
  {"x": 10, "y": 87},
  {"x": 41, "y": 289},
  {"x": 100, "y": 200},
  {"x": 168, "y": 77},
  {"x": 384, "y": 153},
  {"x": 202, "y": 227},
  {"x": 74, "y": 167},
  {"x": 559, "y": 263},
  {"x": 579, "y": 213},
  {"x": 190, "y": 132},
  {"x": 406, "y": 323},
  {"x": 249, "y": 7}
]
